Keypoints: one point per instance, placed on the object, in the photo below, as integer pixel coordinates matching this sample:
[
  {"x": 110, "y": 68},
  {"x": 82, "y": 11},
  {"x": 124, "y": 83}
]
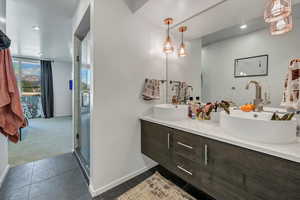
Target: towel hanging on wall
[
  {"x": 4, "y": 41},
  {"x": 11, "y": 112},
  {"x": 151, "y": 90}
]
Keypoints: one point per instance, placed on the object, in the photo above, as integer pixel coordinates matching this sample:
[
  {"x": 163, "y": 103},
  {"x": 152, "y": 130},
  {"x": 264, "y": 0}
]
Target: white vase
[{"x": 215, "y": 116}]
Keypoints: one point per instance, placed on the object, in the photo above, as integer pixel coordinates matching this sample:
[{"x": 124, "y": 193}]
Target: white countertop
[{"x": 214, "y": 131}]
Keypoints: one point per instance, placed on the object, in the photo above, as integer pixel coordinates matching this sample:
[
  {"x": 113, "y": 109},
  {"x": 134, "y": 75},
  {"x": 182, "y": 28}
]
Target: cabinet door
[
  {"x": 270, "y": 177},
  {"x": 238, "y": 173},
  {"x": 156, "y": 142},
  {"x": 223, "y": 173}
]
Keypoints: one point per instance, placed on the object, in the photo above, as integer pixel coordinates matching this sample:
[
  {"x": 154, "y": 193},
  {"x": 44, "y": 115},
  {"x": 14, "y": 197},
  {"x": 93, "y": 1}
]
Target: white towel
[
  {"x": 291, "y": 98},
  {"x": 151, "y": 90},
  {"x": 183, "y": 91}
]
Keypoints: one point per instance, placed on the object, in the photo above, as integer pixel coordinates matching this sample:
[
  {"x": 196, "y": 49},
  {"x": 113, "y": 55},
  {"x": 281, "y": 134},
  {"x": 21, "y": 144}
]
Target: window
[{"x": 28, "y": 73}]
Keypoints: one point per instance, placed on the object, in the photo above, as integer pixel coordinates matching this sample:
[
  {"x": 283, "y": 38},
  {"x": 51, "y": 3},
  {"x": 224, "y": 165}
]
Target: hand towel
[
  {"x": 183, "y": 91},
  {"x": 151, "y": 90},
  {"x": 291, "y": 86},
  {"x": 11, "y": 112}
]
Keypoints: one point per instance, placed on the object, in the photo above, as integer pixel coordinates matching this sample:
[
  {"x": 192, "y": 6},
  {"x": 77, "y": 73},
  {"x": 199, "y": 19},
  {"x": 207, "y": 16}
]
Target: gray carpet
[{"x": 43, "y": 138}]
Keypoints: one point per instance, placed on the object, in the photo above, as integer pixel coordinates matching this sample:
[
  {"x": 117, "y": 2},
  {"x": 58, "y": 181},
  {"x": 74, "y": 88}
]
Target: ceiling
[
  {"x": 228, "y": 13},
  {"x": 134, "y": 5},
  {"x": 54, "y": 17},
  {"x": 155, "y": 11},
  {"x": 252, "y": 26}
]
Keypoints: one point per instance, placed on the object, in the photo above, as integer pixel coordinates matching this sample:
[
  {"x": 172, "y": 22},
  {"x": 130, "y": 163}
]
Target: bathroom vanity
[{"x": 222, "y": 166}]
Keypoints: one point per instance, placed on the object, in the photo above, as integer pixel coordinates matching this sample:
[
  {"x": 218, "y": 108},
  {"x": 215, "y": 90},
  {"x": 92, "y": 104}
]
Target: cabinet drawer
[
  {"x": 188, "y": 146},
  {"x": 185, "y": 169}
]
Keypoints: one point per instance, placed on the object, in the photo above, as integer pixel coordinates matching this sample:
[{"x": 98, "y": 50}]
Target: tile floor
[
  {"x": 60, "y": 178},
  {"x": 57, "y": 178}
]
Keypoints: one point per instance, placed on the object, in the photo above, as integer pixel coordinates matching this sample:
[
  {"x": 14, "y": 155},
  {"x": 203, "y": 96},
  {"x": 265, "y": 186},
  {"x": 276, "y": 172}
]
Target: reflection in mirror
[
  {"x": 251, "y": 66},
  {"x": 217, "y": 61}
]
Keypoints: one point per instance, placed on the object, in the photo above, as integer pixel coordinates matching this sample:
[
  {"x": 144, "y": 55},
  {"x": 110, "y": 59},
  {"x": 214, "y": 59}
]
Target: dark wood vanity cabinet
[
  {"x": 156, "y": 142},
  {"x": 224, "y": 171}
]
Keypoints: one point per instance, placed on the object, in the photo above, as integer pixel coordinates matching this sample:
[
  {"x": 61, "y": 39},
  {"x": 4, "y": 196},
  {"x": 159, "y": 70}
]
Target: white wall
[
  {"x": 126, "y": 51},
  {"x": 3, "y": 140},
  {"x": 62, "y": 73},
  {"x": 2, "y": 14},
  {"x": 218, "y": 65},
  {"x": 82, "y": 7}
]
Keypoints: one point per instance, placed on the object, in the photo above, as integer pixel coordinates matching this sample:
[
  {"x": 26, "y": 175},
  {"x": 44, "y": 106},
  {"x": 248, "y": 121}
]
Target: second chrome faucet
[{"x": 258, "y": 101}]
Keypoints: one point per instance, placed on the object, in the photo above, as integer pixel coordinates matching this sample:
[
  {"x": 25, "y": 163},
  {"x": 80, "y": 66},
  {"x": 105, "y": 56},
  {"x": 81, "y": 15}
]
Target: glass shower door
[
  {"x": 83, "y": 127},
  {"x": 84, "y": 140}
]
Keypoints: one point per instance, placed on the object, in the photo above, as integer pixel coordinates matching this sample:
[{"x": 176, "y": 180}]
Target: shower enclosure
[{"x": 82, "y": 93}]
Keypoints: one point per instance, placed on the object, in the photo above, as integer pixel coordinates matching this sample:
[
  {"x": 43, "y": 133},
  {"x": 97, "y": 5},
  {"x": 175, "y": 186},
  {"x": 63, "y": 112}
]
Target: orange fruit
[{"x": 247, "y": 107}]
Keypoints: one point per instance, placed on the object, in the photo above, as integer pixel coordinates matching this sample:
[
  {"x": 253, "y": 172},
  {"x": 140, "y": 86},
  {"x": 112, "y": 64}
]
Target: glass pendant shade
[
  {"x": 182, "y": 51},
  {"x": 277, "y": 10},
  {"x": 182, "y": 47},
  {"x": 168, "y": 46},
  {"x": 282, "y": 26}
]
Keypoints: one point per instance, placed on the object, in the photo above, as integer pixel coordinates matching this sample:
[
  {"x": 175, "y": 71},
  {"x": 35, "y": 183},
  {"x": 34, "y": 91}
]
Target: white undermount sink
[
  {"x": 170, "y": 112},
  {"x": 258, "y": 127}
]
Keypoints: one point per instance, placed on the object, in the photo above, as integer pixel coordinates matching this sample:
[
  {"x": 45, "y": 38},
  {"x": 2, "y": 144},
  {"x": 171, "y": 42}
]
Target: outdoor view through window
[{"x": 28, "y": 75}]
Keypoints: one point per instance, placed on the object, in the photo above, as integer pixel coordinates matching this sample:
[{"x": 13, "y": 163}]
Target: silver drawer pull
[
  {"x": 169, "y": 140},
  {"x": 184, "y": 170},
  {"x": 185, "y": 145},
  {"x": 206, "y": 154}
]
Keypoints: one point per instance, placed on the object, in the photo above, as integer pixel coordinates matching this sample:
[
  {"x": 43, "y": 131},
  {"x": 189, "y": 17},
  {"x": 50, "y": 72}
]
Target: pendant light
[
  {"x": 168, "y": 46},
  {"x": 182, "y": 47},
  {"x": 277, "y": 10},
  {"x": 282, "y": 26}
]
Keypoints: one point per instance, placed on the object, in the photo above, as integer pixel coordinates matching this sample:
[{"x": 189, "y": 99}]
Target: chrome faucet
[{"x": 258, "y": 101}]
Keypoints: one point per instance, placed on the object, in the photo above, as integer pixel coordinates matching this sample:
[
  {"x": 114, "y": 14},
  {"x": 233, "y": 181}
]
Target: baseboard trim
[
  {"x": 63, "y": 115},
  {"x": 3, "y": 175},
  {"x": 96, "y": 192}
]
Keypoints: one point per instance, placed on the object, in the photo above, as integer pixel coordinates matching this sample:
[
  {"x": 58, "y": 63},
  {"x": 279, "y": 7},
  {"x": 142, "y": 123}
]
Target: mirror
[
  {"x": 251, "y": 66},
  {"x": 219, "y": 64}
]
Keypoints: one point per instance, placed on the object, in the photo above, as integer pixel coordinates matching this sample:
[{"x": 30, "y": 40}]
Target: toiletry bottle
[
  {"x": 190, "y": 108},
  {"x": 196, "y": 105},
  {"x": 216, "y": 106},
  {"x": 193, "y": 116},
  {"x": 198, "y": 101}
]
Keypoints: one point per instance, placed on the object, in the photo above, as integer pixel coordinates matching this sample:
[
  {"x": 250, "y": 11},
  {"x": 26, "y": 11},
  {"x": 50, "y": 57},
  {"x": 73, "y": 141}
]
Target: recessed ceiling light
[
  {"x": 36, "y": 28},
  {"x": 244, "y": 26}
]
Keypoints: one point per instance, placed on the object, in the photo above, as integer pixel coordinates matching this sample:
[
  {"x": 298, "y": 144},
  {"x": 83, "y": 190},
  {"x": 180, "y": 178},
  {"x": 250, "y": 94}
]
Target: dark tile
[
  {"x": 69, "y": 185},
  {"x": 54, "y": 196},
  {"x": 15, "y": 194},
  {"x": 65, "y": 163},
  {"x": 47, "y": 168},
  {"x": 104, "y": 198},
  {"x": 86, "y": 196},
  {"x": 121, "y": 189},
  {"x": 197, "y": 193},
  {"x": 18, "y": 177},
  {"x": 46, "y": 188}
]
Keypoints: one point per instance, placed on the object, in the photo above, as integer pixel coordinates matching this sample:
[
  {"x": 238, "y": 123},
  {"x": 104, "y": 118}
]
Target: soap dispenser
[{"x": 190, "y": 107}]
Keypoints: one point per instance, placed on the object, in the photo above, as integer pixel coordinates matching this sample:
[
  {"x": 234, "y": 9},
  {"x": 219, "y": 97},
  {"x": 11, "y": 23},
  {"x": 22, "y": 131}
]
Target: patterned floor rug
[{"x": 156, "y": 188}]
